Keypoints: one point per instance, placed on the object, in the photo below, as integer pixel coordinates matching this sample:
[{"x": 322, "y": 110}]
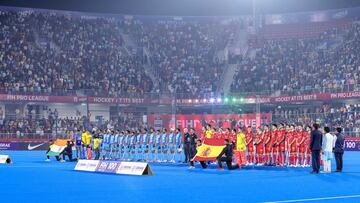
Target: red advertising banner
[{"x": 197, "y": 121}]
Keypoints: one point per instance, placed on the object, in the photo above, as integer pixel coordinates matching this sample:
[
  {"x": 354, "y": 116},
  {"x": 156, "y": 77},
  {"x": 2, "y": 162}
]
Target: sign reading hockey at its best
[{"x": 114, "y": 167}]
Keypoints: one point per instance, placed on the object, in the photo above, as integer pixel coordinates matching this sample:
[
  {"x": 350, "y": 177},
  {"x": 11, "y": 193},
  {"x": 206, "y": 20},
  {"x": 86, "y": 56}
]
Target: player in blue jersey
[
  {"x": 112, "y": 144},
  {"x": 178, "y": 143},
  {"x": 158, "y": 143},
  {"x": 121, "y": 145},
  {"x": 78, "y": 144},
  {"x": 164, "y": 146},
  {"x": 116, "y": 148},
  {"x": 127, "y": 145},
  {"x": 152, "y": 146},
  {"x": 171, "y": 147},
  {"x": 145, "y": 145},
  {"x": 132, "y": 145},
  {"x": 138, "y": 150},
  {"x": 106, "y": 144}
]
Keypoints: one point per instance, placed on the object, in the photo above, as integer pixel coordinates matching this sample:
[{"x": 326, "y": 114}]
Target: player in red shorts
[
  {"x": 292, "y": 146},
  {"x": 307, "y": 146},
  {"x": 274, "y": 135},
  {"x": 259, "y": 147},
  {"x": 268, "y": 145},
  {"x": 249, "y": 141},
  {"x": 300, "y": 141},
  {"x": 287, "y": 150},
  {"x": 280, "y": 140}
]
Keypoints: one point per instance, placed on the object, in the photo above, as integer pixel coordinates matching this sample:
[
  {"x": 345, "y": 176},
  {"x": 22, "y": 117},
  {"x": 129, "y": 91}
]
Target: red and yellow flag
[{"x": 209, "y": 150}]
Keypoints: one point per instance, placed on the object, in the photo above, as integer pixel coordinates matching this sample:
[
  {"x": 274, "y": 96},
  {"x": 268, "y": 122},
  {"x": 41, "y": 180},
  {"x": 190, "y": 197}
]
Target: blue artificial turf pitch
[{"x": 30, "y": 179}]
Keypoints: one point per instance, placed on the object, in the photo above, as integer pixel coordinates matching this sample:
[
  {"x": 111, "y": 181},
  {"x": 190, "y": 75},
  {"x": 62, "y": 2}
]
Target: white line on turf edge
[{"x": 315, "y": 199}]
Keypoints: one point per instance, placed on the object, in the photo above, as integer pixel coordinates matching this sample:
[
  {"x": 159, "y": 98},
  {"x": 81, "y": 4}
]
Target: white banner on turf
[
  {"x": 87, "y": 165},
  {"x": 5, "y": 159},
  {"x": 134, "y": 168}
]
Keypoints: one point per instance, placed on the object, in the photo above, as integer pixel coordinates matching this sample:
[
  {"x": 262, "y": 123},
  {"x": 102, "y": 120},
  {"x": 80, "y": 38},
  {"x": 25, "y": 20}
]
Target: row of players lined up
[
  {"x": 140, "y": 145},
  {"x": 279, "y": 145}
]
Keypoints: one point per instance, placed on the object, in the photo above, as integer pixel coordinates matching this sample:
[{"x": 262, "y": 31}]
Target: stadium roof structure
[{"x": 185, "y": 7}]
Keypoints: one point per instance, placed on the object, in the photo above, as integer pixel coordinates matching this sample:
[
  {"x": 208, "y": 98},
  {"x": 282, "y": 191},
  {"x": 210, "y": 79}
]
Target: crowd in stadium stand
[
  {"x": 53, "y": 53},
  {"x": 329, "y": 62},
  {"x": 41, "y": 52},
  {"x": 62, "y": 54},
  {"x": 183, "y": 53},
  {"x": 48, "y": 125},
  {"x": 347, "y": 116}
]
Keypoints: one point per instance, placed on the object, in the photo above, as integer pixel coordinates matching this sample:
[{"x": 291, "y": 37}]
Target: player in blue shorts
[
  {"x": 158, "y": 143},
  {"x": 138, "y": 150},
  {"x": 145, "y": 145},
  {"x": 152, "y": 146},
  {"x": 127, "y": 144},
  {"x": 171, "y": 152},
  {"x": 78, "y": 144},
  {"x": 164, "y": 146},
  {"x": 132, "y": 145},
  {"x": 116, "y": 145},
  {"x": 112, "y": 144},
  {"x": 121, "y": 145},
  {"x": 178, "y": 143},
  {"x": 106, "y": 144}
]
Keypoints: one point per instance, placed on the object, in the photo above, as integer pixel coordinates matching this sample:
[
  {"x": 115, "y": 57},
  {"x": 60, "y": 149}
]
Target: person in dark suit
[
  {"x": 226, "y": 155},
  {"x": 187, "y": 145},
  {"x": 315, "y": 147},
  {"x": 339, "y": 149}
]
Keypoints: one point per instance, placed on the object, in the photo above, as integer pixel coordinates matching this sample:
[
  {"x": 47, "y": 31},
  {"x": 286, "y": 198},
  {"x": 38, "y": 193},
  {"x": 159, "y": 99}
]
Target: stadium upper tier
[{"x": 60, "y": 53}]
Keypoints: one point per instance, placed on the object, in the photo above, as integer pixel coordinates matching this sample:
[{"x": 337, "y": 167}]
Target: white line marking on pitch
[{"x": 316, "y": 199}]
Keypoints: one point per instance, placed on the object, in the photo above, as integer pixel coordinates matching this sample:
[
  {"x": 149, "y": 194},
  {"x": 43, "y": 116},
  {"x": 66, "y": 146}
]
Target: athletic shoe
[
  {"x": 191, "y": 167},
  {"x": 220, "y": 169},
  {"x": 62, "y": 160},
  {"x": 47, "y": 160}
]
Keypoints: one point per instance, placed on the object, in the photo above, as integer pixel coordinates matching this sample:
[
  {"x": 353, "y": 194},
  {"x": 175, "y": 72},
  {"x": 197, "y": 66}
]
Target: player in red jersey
[
  {"x": 292, "y": 146},
  {"x": 259, "y": 146},
  {"x": 268, "y": 145},
  {"x": 280, "y": 139},
  {"x": 287, "y": 150},
  {"x": 301, "y": 146},
  {"x": 203, "y": 133},
  {"x": 231, "y": 135},
  {"x": 249, "y": 141},
  {"x": 307, "y": 146},
  {"x": 274, "y": 135}
]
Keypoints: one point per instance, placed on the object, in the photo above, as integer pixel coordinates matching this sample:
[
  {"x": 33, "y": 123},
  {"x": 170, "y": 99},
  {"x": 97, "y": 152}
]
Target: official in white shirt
[{"x": 328, "y": 143}]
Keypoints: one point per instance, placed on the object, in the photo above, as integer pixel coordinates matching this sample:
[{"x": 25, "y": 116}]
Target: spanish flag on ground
[
  {"x": 58, "y": 146},
  {"x": 209, "y": 150}
]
